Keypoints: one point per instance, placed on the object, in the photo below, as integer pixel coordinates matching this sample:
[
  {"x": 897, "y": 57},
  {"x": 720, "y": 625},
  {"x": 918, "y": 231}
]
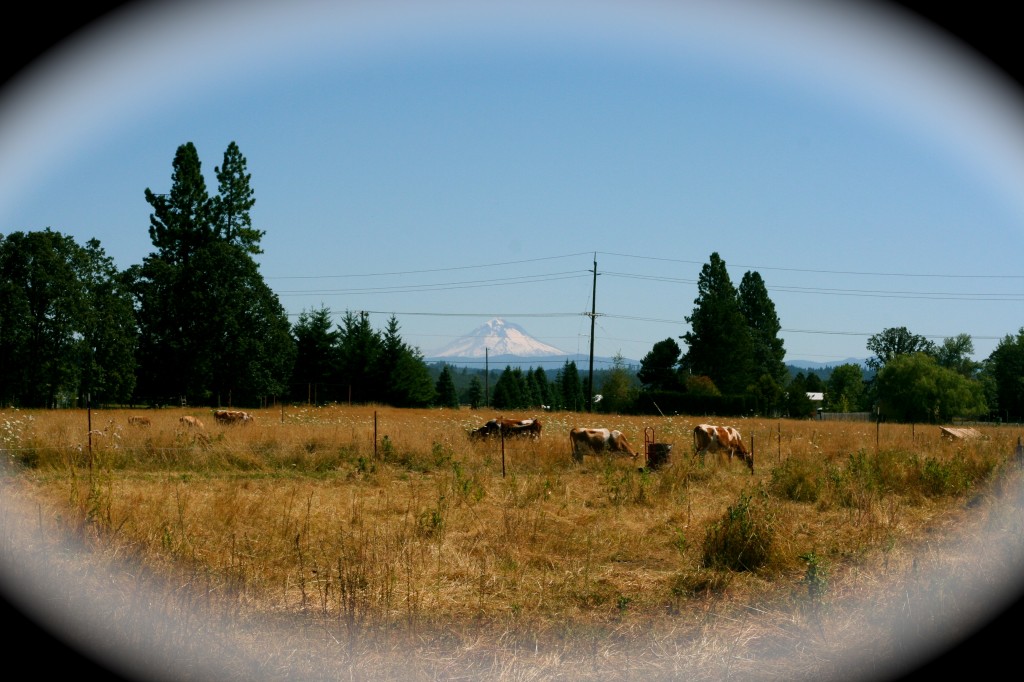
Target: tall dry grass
[{"x": 388, "y": 543}]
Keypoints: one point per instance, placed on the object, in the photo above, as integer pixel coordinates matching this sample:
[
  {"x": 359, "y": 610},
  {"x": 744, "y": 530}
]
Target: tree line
[
  {"x": 733, "y": 364},
  {"x": 195, "y": 323}
]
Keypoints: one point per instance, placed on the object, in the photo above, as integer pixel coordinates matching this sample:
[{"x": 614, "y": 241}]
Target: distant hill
[{"x": 807, "y": 364}]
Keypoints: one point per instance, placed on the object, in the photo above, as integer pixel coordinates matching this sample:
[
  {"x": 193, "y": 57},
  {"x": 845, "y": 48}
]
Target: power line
[
  {"x": 824, "y": 272},
  {"x": 448, "y": 269},
  {"x": 440, "y": 286}
]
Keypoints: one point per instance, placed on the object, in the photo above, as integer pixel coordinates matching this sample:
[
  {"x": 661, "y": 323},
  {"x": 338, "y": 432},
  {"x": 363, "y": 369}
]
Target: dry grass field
[{"x": 375, "y": 543}]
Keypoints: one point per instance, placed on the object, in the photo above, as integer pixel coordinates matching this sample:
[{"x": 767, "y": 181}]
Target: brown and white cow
[
  {"x": 508, "y": 428},
  {"x": 231, "y": 416},
  {"x": 137, "y": 420},
  {"x": 711, "y": 438},
  {"x": 598, "y": 441},
  {"x": 191, "y": 422}
]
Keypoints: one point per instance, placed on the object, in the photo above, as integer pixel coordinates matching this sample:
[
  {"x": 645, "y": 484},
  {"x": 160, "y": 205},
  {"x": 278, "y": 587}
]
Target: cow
[
  {"x": 598, "y": 441},
  {"x": 191, "y": 422},
  {"x": 711, "y": 438},
  {"x": 231, "y": 416},
  {"x": 508, "y": 428},
  {"x": 136, "y": 420}
]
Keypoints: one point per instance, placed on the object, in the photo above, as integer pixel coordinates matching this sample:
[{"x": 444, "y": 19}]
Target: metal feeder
[{"x": 657, "y": 453}]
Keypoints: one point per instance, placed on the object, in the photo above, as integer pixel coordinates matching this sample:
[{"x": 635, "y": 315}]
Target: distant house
[{"x": 818, "y": 400}]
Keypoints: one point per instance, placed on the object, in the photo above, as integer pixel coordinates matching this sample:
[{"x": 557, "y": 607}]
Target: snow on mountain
[{"x": 497, "y": 337}]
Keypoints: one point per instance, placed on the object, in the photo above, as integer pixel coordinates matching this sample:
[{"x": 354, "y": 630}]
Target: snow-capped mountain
[{"x": 497, "y": 338}]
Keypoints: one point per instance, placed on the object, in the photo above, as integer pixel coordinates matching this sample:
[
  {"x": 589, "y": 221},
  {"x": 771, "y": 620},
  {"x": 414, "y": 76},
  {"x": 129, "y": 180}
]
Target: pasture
[{"x": 378, "y": 543}]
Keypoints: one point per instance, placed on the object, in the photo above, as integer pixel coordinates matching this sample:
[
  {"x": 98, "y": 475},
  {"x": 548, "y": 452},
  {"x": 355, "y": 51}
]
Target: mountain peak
[{"x": 498, "y": 337}]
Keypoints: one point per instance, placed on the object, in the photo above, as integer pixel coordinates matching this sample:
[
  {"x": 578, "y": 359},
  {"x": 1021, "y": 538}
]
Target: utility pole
[
  {"x": 593, "y": 316},
  {"x": 487, "y": 377}
]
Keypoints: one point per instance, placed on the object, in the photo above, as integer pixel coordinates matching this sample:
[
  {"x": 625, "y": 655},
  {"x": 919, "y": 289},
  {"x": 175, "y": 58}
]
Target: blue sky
[{"x": 450, "y": 162}]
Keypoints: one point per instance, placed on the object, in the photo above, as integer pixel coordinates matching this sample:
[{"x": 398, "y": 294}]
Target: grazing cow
[
  {"x": 136, "y": 420},
  {"x": 508, "y": 428},
  {"x": 191, "y": 422},
  {"x": 598, "y": 441},
  {"x": 711, "y": 438},
  {"x": 231, "y": 416}
]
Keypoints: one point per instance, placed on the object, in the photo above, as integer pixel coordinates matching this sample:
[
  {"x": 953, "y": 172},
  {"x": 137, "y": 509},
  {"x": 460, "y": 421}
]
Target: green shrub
[
  {"x": 742, "y": 539},
  {"x": 798, "y": 480}
]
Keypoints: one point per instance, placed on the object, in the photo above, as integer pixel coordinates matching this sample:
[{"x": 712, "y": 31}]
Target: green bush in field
[
  {"x": 742, "y": 539},
  {"x": 799, "y": 480},
  {"x": 956, "y": 476}
]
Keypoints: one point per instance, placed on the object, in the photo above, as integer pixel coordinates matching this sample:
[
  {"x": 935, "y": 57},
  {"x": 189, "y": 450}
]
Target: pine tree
[
  {"x": 659, "y": 368},
  {"x": 475, "y": 393},
  {"x": 769, "y": 352},
  {"x": 316, "y": 348},
  {"x": 719, "y": 342},
  {"x": 240, "y": 348},
  {"x": 180, "y": 223},
  {"x": 571, "y": 388},
  {"x": 360, "y": 372},
  {"x": 447, "y": 396},
  {"x": 230, "y": 209},
  {"x": 507, "y": 393},
  {"x": 540, "y": 379}
]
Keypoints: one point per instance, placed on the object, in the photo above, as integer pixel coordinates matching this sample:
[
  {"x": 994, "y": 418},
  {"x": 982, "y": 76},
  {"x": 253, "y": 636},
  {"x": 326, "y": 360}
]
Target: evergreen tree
[
  {"x": 769, "y": 352},
  {"x": 382, "y": 373},
  {"x": 475, "y": 393},
  {"x": 410, "y": 381},
  {"x": 572, "y": 390},
  {"x": 316, "y": 348},
  {"x": 507, "y": 391},
  {"x": 240, "y": 347},
  {"x": 243, "y": 342},
  {"x": 359, "y": 351},
  {"x": 531, "y": 392},
  {"x": 659, "y": 369},
  {"x": 396, "y": 373},
  {"x": 540, "y": 379},
  {"x": 719, "y": 342},
  {"x": 447, "y": 396},
  {"x": 231, "y": 219},
  {"x": 555, "y": 391},
  {"x": 180, "y": 222}
]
